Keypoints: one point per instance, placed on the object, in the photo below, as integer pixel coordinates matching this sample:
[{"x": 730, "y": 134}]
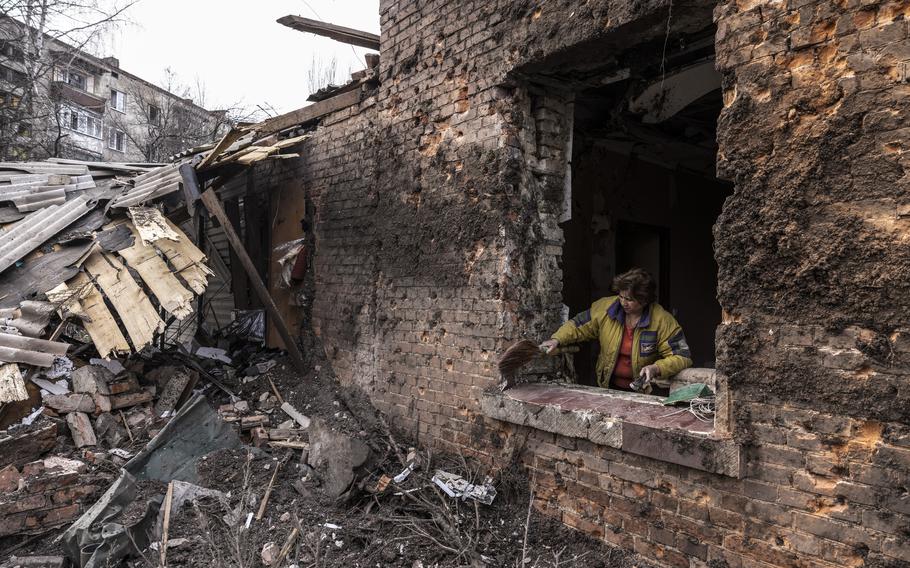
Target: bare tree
[
  {"x": 162, "y": 121},
  {"x": 37, "y": 39}
]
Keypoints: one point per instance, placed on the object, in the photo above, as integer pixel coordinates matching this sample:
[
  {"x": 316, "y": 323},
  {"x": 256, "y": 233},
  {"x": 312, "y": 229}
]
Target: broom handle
[{"x": 569, "y": 349}]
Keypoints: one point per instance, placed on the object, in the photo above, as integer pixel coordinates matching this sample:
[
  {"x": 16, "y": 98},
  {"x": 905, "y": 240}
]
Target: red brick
[{"x": 24, "y": 503}]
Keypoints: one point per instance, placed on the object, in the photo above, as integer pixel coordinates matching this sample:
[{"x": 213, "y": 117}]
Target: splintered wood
[
  {"x": 151, "y": 225},
  {"x": 100, "y": 323},
  {"x": 187, "y": 260},
  {"x": 170, "y": 293},
  {"x": 136, "y": 311},
  {"x": 12, "y": 385}
]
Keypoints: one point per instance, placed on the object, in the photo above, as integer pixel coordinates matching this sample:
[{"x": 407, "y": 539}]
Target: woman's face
[{"x": 628, "y": 302}]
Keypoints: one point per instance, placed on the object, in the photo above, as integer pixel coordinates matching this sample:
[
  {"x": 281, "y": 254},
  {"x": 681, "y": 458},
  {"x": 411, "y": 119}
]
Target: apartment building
[{"x": 59, "y": 101}]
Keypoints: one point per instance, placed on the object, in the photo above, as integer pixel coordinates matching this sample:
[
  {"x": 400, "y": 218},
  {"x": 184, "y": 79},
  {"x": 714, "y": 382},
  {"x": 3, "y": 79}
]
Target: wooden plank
[
  {"x": 256, "y": 231},
  {"x": 287, "y": 207},
  {"x": 307, "y": 113},
  {"x": 12, "y": 385},
  {"x": 211, "y": 202},
  {"x": 100, "y": 323},
  {"x": 187, "y": 260},
  {"x": 170, "y": 293},
  {"x": 238, "y": 278},
  {"x": 130, "y": 399},
  {"x": 232, "y": 136},
  {"x": 139, "y": 316},
  {"x": 338, "y": 33}
]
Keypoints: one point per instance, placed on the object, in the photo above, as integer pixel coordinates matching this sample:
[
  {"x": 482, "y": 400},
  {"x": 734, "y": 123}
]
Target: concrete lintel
[{"x": 635, "y": 433}]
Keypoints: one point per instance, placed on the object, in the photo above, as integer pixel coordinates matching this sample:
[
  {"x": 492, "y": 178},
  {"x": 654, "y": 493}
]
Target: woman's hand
[
  {"x": 549, "y": 346},
  {"x": 650, "y": 372}
]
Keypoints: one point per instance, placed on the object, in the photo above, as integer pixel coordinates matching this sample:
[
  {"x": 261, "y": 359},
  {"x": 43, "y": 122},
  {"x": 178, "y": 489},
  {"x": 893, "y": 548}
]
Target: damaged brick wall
[
  {"x": 43, "y": 494},
  {"x": 437, "y": 204}
]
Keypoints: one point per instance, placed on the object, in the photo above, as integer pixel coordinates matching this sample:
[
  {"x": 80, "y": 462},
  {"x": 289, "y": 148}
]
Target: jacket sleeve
[
  {"x": 583, "y": 327},
  {"x": 674, "y": 350}
]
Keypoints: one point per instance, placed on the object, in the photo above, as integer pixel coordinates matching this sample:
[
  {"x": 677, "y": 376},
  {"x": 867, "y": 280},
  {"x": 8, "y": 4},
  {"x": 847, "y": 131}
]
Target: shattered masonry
[{"x": 437, "y": 201}]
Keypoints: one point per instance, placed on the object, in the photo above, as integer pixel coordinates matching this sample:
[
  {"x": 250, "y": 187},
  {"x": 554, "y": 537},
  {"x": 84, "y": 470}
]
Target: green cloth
[{"x": 689, "y": 392}]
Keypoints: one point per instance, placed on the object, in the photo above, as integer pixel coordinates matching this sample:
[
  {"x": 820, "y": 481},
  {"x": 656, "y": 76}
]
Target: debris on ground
[{"x": 295, "y": 470}]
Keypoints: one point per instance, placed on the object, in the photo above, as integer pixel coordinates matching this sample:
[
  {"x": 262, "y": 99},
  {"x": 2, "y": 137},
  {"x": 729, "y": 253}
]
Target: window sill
[{"x": 631, "y": 422}]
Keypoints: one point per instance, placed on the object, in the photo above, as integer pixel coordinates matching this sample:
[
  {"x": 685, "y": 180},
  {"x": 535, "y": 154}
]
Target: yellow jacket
[{"x": 657, "y": 339}]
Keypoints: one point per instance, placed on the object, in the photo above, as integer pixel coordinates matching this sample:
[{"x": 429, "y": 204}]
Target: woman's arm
[
  {"x": 583, "y": 327},
  {"x": 674, "y": 351}
]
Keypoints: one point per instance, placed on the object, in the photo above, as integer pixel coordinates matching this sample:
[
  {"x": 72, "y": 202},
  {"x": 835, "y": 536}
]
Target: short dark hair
[{"x": 637, "y": 282}]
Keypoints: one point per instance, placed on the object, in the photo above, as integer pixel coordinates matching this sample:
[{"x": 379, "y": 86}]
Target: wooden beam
[
  {"x": 211, "y": 202},
  {"x": 307, "y": 113},
  {"x": 338, "y": 33}
]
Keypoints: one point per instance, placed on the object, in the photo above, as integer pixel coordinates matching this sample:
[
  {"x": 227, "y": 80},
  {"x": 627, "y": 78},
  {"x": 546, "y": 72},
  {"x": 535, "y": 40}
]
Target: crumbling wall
[{"x": 437, "y": 206}]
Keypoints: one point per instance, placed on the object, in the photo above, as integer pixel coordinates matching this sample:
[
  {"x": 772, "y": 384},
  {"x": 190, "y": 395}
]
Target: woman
[{"x": 638, "y": 338}]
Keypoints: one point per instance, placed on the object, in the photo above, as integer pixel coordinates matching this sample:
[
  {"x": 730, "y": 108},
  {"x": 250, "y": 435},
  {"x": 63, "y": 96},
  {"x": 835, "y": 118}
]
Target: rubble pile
[{"x": 225, "y": 456}]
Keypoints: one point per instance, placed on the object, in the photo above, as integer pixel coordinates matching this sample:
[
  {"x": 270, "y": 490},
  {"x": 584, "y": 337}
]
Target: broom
[{"x": 523, "y": 352}]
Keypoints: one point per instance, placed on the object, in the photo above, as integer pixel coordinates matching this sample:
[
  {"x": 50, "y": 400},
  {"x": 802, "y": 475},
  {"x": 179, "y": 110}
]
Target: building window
[
  {"x": 154, "y": 115},
  {"x": 76, "y": 80},
  {"x": 116, "y": 140},
  {"x": 118, "y": 100},
  {"x": 13, "y": 76},
  {"x": 9, "y": 100},
  {"x": 10, "y": 51},
  {"x": 82, "y": 122}
]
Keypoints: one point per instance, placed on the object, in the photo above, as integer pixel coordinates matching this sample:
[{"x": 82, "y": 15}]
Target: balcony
[{"x": 78, "y": 96}]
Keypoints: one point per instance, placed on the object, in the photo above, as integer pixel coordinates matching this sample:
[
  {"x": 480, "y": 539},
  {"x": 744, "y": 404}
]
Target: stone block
[
  {"x": 81, "y": 429},
  {"x": 10, "y": 479},
  {"x": 92, "y": 379}
]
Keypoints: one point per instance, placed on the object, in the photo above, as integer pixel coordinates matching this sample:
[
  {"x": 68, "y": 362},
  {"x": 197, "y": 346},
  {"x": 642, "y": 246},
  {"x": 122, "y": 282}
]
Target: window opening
[
  {"x": 644, "y": 191},
  {"x": 118, "y": 100},
  {"x": 116, "y": 140}
]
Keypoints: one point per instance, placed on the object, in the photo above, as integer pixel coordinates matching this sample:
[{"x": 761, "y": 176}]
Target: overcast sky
[{"x": 236, "y": 48}]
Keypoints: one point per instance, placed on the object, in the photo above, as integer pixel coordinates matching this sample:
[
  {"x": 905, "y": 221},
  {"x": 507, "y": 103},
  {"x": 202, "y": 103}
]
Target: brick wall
[
  {"x": 43, "y": 495},
  {"x": 437, "y": 203}
]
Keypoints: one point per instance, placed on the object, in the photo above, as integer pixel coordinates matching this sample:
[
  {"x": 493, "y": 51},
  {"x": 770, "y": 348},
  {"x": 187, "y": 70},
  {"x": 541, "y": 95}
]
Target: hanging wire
[
  {"x": 663, "y": 57},
  {"x": 702, "y": 408},
  {"x": 354, "y": 51}
]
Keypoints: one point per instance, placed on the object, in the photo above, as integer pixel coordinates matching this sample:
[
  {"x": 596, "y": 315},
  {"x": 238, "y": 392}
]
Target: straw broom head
[{"x": 518, "y": 355}]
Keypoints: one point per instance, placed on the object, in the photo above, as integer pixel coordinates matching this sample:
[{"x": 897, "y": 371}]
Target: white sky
[{"x": 236, "y": 49}]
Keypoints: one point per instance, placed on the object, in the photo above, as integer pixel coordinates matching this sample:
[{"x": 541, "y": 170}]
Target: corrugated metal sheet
[
  {"x": 40, "y": 352},
  {"x": 41, "y": 168},
  {"x": 29, "y": 233},
  {"x": 31, "y": 194},
  {"x": 149, "y": 186}
]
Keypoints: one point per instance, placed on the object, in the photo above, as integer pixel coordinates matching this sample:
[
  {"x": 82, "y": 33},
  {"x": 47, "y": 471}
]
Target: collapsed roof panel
[{"x": 29, "y": 233}]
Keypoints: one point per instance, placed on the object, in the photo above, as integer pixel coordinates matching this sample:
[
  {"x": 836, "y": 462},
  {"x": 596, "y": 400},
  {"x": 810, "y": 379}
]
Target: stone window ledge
[{"x": 631, "y": 422}]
